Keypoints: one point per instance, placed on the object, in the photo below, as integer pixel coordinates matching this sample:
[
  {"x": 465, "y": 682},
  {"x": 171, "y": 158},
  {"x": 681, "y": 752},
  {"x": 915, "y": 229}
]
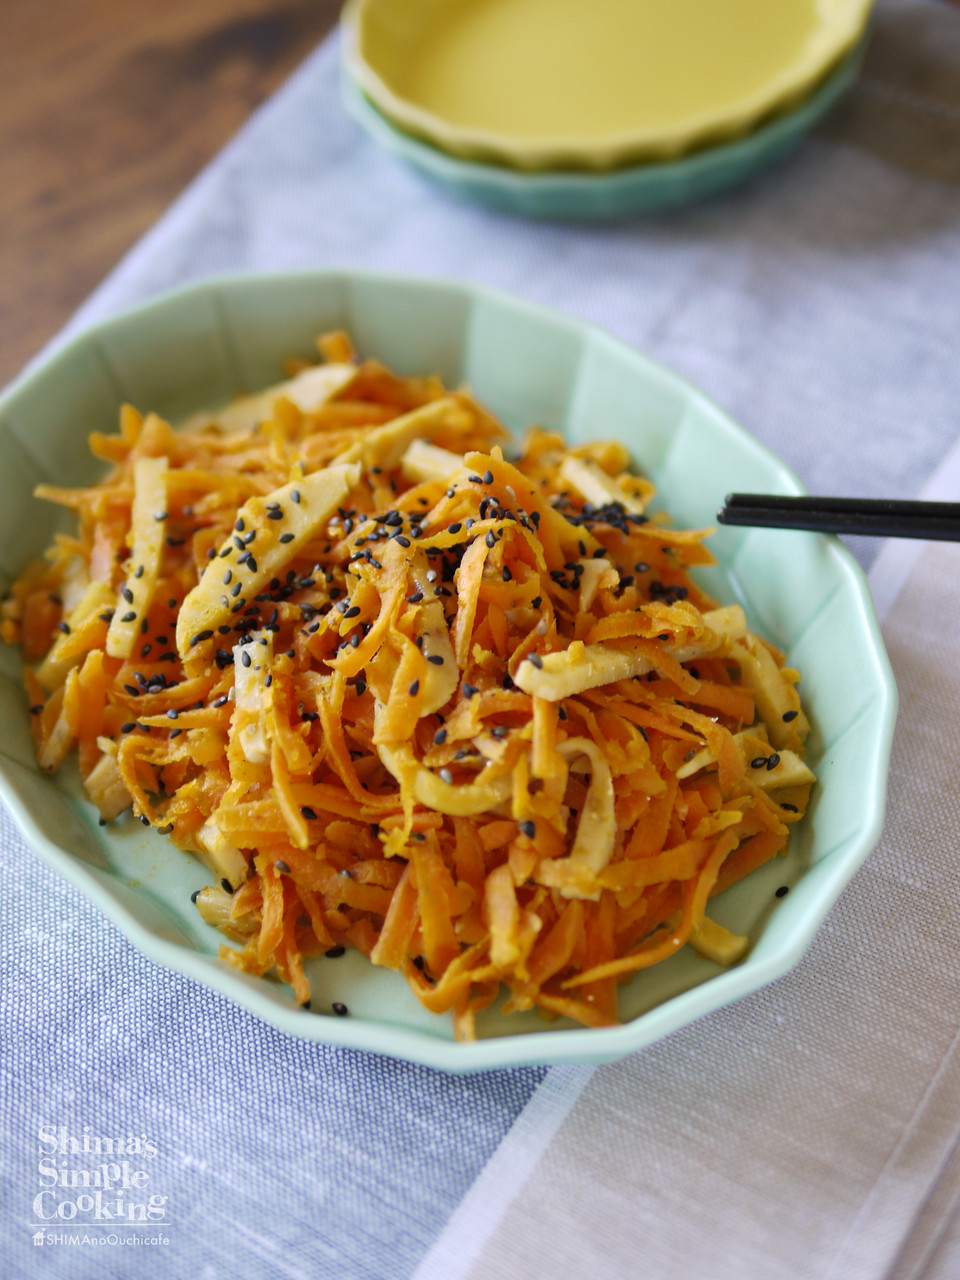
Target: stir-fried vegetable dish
[{"x": 408, "y": 690}]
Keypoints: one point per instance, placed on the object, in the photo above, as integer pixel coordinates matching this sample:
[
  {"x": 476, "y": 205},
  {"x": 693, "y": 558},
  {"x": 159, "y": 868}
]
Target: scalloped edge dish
[
  {"x": 805, "y": 592},
  {"x": 643, "y": 188},
  {"x": 412, "y": 60}
]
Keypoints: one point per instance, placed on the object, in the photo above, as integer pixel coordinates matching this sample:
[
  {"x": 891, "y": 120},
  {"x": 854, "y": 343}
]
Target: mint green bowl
[
  {"x": 803, "y": 591},
  {"x": 619, "y": 193}
]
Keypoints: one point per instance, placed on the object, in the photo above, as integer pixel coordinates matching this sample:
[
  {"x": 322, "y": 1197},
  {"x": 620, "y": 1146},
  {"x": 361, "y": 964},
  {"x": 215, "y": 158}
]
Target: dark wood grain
[{"x": 107, "y": 109}]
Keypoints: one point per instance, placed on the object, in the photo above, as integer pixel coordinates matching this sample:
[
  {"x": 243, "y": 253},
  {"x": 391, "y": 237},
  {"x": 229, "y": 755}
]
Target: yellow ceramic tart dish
[{"x": 561, "y": 84}]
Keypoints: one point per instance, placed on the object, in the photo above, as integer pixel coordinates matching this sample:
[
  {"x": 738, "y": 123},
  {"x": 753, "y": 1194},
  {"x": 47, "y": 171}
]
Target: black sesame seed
[
  {"x": 195, "y": 895},
  {"x": 339, "y": 1009},
  {"x": 773, "y": 760},
  {"x": 506, "y": 575},
  {"x": 439, "y": 737},
  {"x": 353, "y": 612},
  {"x": 127, "y": 617},
  {"x": 276, "y": 514},
  {"x": 529, "y": 829},
  {"x": 308, "y": 813},
  {"x": 782, "y": 891},
  {"x": 172, "y": 714},
  {"x": 789, "y": 715},
  {"x": 469, "y": 690},
  {"x": 414, "y": 688},
  {"x": 436, "y": 659},
  {"x": 65, "y": 627},
  {"x": 128, "y": 727},
  {"x": 286, "y": 537},
  {"x": 758, "y": 762},
  {"x": 226, "y": 886},
  {"x": 488, "y": 477},
  {"x": 790, "y": 808},
  {"x": 536, "y": 660}
]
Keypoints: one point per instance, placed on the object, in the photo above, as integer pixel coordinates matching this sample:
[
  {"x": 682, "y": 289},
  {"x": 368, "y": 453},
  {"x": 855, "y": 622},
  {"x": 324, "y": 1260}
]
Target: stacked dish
[{"x": 553, "y": 108}]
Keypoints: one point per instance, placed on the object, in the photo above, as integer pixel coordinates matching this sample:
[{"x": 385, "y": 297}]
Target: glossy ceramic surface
[
  {"x": 803, "y": 591},
  {"x": 620, "y": 193},
  {"x": 557, "y": 84}
]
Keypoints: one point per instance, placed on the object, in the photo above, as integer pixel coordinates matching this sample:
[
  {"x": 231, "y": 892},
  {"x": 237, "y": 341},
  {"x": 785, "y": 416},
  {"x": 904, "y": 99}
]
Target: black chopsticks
[{"x": 875, "y": 517}]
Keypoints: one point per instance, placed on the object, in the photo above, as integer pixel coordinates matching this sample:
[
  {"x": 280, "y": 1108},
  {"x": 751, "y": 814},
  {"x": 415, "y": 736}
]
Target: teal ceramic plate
[
  {"x": 642, "y": 188},
  {"x": 803, "y": 591}
]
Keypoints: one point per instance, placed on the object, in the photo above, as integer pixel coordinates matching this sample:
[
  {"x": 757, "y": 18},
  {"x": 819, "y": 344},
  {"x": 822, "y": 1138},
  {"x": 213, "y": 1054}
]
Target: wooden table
[{"x": 107, "y": 109}]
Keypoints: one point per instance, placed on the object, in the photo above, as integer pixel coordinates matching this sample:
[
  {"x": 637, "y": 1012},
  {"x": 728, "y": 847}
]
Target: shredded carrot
[{"x": 468, "y": 714}]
